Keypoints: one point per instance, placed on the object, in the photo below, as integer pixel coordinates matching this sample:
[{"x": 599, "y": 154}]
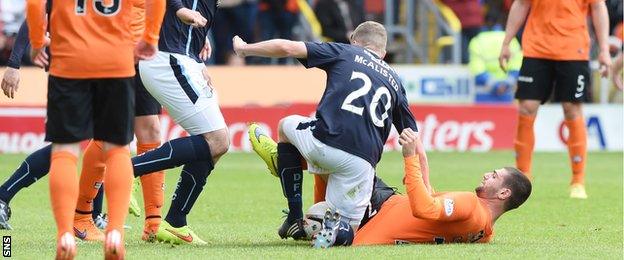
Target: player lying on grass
[{"x": 422, "y": 217}]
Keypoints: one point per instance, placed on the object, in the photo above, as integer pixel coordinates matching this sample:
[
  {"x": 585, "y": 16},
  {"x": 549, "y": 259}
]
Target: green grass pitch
[{"x": 240, "y": 210}]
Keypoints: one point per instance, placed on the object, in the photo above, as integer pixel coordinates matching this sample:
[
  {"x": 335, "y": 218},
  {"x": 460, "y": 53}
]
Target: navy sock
[
  {"x": 34, "y": 167},
  {"x": 172, "y": 154},
  {"x": 190, "y": 185},
  {"x": 345, "y": 235},
  {"x": 291, "y": 177},
  {"x": 98, "y": 201}
]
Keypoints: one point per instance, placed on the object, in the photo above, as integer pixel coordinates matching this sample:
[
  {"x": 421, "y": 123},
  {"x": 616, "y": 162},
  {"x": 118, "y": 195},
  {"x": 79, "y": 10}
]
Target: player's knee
[
  {"x": 147, "y": 129},
  {"x": 281, "y": 136},
  {"x": 572, "y": 111},
  {"x": 218, "y": 141},
  {"x": 528, "y": 107}
]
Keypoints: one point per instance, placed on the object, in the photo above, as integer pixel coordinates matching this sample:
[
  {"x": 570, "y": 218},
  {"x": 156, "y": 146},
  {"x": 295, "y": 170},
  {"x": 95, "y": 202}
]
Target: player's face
[{"x": 491, "y": 184}]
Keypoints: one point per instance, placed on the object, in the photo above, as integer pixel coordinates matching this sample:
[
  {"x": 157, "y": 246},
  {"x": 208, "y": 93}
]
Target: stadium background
[{"x": 426, "y": 49}]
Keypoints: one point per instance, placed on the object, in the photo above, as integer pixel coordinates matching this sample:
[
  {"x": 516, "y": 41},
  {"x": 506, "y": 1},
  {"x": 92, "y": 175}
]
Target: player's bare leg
[
  {"x": 290, "y": 173},
  {"x": 577, "y": 147},
  {"x": 147, "y": 131},
  {"x": 525, "y": 137}
]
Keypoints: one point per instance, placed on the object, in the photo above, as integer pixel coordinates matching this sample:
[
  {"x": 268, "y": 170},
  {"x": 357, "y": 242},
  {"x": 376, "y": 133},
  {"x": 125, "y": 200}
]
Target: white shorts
[
  {"x": 350, "y": 178},
  {"x": 178, "y": 83}
]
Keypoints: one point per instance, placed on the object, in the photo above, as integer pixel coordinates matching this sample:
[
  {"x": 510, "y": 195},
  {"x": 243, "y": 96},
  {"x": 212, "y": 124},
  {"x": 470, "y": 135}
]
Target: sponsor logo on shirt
[{"x": 449, "y": 206}]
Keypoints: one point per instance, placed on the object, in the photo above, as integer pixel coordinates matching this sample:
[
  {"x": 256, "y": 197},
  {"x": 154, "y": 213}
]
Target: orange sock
[
  {"x": 577, "y": 148},
  {"x": 118, "y": 179},
  {"x": 91, "y": 176},
  {"x": 320, "y": 187},
  {"x": 525, "y": 140},
  {"x": 153, "y": 187},
  {"x": 63, "y": 190}
]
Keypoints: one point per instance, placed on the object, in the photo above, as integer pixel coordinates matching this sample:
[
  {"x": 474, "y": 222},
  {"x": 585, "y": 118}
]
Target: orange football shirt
[
  {"x": 453, "y": 217},
  {"x": 92, "y": 38},
  {"x": 557, "y": 30}
]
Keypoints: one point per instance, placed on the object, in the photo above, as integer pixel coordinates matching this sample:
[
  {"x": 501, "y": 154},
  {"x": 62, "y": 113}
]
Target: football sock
[
  {"x": 172, "y": 154},
  {"x": 118, "y": 179},
  {"x": 525, "y": 140},
  {"x": 344, "y": 235},
  {"x": 190, "y": 185},
  {"x": 91, "y": 177},
  {"x": 291, "y": 177},
  {"x": 98, "y": 203},
  {"x": 33, "y": 168},
  {"x": 320, "y": 186},
  {"x": 153, "y": 186},
  {"x": 63, "y": 190},
  {"x": 577, "y": 148}
]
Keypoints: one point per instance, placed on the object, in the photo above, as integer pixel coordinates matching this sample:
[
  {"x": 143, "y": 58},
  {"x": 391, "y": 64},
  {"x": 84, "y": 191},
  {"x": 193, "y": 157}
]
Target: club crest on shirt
[{"x": 449, "y": 206}]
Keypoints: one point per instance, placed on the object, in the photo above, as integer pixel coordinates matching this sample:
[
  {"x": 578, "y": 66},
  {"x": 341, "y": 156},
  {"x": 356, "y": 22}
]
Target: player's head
[
  {"x": 371, "y": 35},
  {"x": 508, "y": 185}
]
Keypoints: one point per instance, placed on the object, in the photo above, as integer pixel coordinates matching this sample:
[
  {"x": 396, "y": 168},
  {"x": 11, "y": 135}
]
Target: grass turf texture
[{"x": 239, "y": 213}]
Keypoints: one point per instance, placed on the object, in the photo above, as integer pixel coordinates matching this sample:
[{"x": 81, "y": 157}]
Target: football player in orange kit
[
  {"x": 556, "y": 46},
  {"x": 444, "y": 217},
  {"x": 91, "y": 95}
]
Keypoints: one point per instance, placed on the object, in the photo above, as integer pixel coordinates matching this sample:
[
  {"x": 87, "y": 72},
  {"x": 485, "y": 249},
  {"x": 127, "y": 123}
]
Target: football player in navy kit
[{"x": 363, "y": 98}]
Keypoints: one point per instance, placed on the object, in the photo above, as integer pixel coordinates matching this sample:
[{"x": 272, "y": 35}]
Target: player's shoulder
[{"x": 460, "y": 197}]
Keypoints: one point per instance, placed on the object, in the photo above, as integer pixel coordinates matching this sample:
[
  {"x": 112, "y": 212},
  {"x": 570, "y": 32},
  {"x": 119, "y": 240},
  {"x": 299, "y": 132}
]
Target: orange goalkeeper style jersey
[
  {"x": 557, "y": 30},
  {"x": 92, "y": 38},
  {"x": 453, "y": 217}
]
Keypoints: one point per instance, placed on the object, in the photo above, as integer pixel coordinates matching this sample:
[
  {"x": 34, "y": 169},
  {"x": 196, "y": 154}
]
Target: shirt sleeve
[
  {"x": 22, "y": 44},
  {"x": 154, "y": 13},
  {"x": 402, "y": 115},
  {"x": 321, "y": 55},
  {"x": 35, "y": 17},
  {"x": 174, "y": 5},
  {"x": 452, "y": 206}
]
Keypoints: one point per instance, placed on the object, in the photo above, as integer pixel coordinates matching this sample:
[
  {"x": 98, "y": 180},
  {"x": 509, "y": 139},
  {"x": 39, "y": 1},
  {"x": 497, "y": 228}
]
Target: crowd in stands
[{"x": 256, "y": 20}]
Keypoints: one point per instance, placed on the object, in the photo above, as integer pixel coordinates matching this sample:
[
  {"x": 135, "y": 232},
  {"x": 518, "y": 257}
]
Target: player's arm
[
  {"x": 154, "y": 13},
  {"x": 600, "y": 19},
  {"x": 277, "y": 48},
  {"x": 402, "y": 118},
  {"x": 517, "y": 15},
  {"x": 11, "y": 78},
  {"x": 36, "y": 20},
  {"x": 616, "y": 71},
  {"x": 187, "y": 16},
  {"x": 422, "y": 204}
]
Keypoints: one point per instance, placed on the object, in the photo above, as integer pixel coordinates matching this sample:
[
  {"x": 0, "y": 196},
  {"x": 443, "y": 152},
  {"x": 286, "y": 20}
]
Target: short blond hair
[{"x": 372, "y": 35}]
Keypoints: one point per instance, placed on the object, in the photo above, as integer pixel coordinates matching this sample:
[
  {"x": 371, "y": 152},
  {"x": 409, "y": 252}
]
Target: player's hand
[
  {"x": 39, "y": 56},
  {"x": 604, "y": 58},
  {"x": 409, "y": 140},
  {"x": 206, "y": 51},
  {"x": 145, "y": 51},
  {"x": 238, "y": 44},
  {"x": 504, "y": 56},
  {"x": 10, "y": 82},
  {"x": 190, "y": 17}
]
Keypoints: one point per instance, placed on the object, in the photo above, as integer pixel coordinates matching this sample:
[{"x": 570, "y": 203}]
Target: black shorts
[
  {"x": 81, "y": 109},
  {"x": 538, "y": 77},
  {"x": 145, "y": 105},
  {"x": 381, "y": 193}
]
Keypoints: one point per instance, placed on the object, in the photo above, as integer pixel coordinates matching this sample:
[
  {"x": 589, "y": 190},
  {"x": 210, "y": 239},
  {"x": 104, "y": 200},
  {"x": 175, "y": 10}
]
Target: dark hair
[{"x": 520, "y": 187}]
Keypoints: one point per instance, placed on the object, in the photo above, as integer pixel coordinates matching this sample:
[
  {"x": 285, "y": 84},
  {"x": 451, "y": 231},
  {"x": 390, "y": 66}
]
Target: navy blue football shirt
[
  {"x": 177, "y": 37},
  {"x": 363, "y": 97}
]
